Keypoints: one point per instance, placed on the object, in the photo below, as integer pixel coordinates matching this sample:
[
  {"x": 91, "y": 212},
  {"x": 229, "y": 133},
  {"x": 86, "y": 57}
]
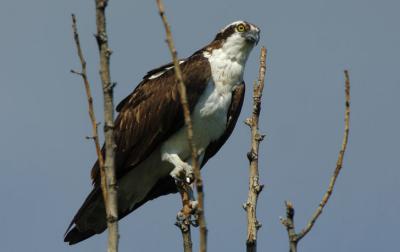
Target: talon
[
  {"x": 183, "y": 172},
  {"x": 176, "y": 176},
  {"x": 189, "y": 178}
]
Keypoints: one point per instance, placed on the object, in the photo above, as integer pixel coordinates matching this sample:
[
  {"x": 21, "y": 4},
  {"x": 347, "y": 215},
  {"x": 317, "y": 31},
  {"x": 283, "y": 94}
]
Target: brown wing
[
  {"x": 233, "y": 115},
  {"x": 167, "y": 185},
  {"x": 153, "y": 112}
]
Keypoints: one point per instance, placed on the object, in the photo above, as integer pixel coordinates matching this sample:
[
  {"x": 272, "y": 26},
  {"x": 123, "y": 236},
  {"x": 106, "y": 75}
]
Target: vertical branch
[
  {"x": 92, "y": 115},
  {"x": 188, "y": 123},
  {"x": 288, "y": 222},
  {"x": 109, "y": 164},
  {"x": 254, "y": 186},
  {"x": 183, "y": 217}
]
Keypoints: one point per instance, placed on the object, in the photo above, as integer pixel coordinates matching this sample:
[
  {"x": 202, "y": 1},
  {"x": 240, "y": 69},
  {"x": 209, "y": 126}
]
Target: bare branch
[
  {"x": 183, "y": 219},
  {"x": 288, "y": 222},
  {"x": 92, "y": 115},
  {"x": 110, "y": 146},
  {"x": 188, "y": 123},
  {"x": 254, "y": 185}
]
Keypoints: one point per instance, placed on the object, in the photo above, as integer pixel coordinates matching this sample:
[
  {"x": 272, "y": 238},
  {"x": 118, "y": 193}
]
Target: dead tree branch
[
  {"x": 103, "y": 175},
  {"x": 188, "y": 123},
  {"x": 95, "y": 135},
  {"x": 254, "y": 185},
  {"x": 288, "y": 222},
  {"x": 183, "y": 219},
  {"x": 110, "y": 146}
]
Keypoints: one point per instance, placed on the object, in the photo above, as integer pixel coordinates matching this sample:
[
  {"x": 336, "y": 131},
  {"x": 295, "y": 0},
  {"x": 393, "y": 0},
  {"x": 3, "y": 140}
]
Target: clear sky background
[{"x": 45, "y": 159}]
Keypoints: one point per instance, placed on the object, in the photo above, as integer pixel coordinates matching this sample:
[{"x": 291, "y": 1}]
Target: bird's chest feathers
[
  {"x": 209, "y": 117},
  {"x": 210, "y": 114},
  {"x": 227, "y": 66},
  {"x": 211, "y": 111}
]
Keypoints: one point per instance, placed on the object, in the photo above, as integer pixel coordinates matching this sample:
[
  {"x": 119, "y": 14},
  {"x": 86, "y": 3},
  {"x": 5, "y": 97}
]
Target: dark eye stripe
[{"x": 230, "y": 30}]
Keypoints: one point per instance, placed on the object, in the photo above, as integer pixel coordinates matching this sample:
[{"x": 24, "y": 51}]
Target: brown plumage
[{"x": 154, "y": 100}]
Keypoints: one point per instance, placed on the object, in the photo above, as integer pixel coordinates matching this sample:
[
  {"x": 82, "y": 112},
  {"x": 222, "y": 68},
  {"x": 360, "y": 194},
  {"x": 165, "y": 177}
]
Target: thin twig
[
  {"x": 288, "y": 222},
  {"x": 188, "y": 123},
  {"x": 110, "y": 146},
  {"x": 254, "y": 186},
  {"x": 92, "y": 115}
]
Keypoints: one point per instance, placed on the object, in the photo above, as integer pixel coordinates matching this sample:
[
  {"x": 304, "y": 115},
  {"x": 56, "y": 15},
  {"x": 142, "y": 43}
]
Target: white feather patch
[{"x": 162, "y": 71}]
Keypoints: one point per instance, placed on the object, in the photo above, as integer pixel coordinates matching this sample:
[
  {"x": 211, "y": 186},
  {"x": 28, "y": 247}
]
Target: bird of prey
[{"x": 152, "y": 149}]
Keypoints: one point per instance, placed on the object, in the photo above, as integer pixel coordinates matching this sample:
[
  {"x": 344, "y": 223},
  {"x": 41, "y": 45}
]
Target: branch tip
[
  {"x": 254, "y": 186},
  {"x": 288, "y": 222}
]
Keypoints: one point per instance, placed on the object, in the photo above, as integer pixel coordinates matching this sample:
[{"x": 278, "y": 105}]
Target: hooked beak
[{"x": 253, "y": 36}]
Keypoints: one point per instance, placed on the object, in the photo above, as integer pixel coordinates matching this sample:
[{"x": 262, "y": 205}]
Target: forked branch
[{"x": 288, "y": 222}]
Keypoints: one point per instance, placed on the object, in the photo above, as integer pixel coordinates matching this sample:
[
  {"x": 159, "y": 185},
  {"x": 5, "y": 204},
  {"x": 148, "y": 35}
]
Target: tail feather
[
  {"x": 89, "y": 220},
  {"x": 74, "y": 235}
]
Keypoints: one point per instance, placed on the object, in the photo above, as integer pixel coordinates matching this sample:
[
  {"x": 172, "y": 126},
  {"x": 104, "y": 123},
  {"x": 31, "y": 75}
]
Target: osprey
[{"x": 152, "y": 148}]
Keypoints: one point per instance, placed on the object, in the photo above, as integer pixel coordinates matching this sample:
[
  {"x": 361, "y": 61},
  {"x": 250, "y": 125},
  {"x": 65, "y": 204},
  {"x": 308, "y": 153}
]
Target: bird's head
[
  {"x": 240, "y": 32},
  {"x": 236, "y": 40}
]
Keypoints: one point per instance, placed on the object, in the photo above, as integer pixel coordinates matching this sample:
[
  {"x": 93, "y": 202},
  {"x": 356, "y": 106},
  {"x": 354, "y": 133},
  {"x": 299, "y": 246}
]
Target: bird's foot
[{"x": 183, "y": 172}]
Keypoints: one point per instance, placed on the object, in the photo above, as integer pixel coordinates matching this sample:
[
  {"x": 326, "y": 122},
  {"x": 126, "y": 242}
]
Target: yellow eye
[{"x": 240, "y": 28}]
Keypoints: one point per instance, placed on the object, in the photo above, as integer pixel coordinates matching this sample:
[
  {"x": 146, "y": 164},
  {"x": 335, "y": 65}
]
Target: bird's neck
[{"x": 228, "y": 62}]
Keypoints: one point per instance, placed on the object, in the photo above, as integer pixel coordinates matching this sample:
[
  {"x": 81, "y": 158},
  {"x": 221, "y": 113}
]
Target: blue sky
[{"x": 45, "y": 159}]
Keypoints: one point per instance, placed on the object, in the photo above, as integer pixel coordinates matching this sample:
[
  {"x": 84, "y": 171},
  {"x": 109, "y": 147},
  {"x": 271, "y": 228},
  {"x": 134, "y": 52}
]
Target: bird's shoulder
[{"x": 196, "y": 73}]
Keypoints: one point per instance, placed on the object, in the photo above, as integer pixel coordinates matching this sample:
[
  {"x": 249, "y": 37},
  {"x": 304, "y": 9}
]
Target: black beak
[{"x": 253, "y": 37}]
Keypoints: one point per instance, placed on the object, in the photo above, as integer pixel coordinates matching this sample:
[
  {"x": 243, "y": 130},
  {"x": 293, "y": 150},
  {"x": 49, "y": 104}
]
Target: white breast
[
  {"x": 209, "y": 123},
  {"x": 210, "y": 113}
]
